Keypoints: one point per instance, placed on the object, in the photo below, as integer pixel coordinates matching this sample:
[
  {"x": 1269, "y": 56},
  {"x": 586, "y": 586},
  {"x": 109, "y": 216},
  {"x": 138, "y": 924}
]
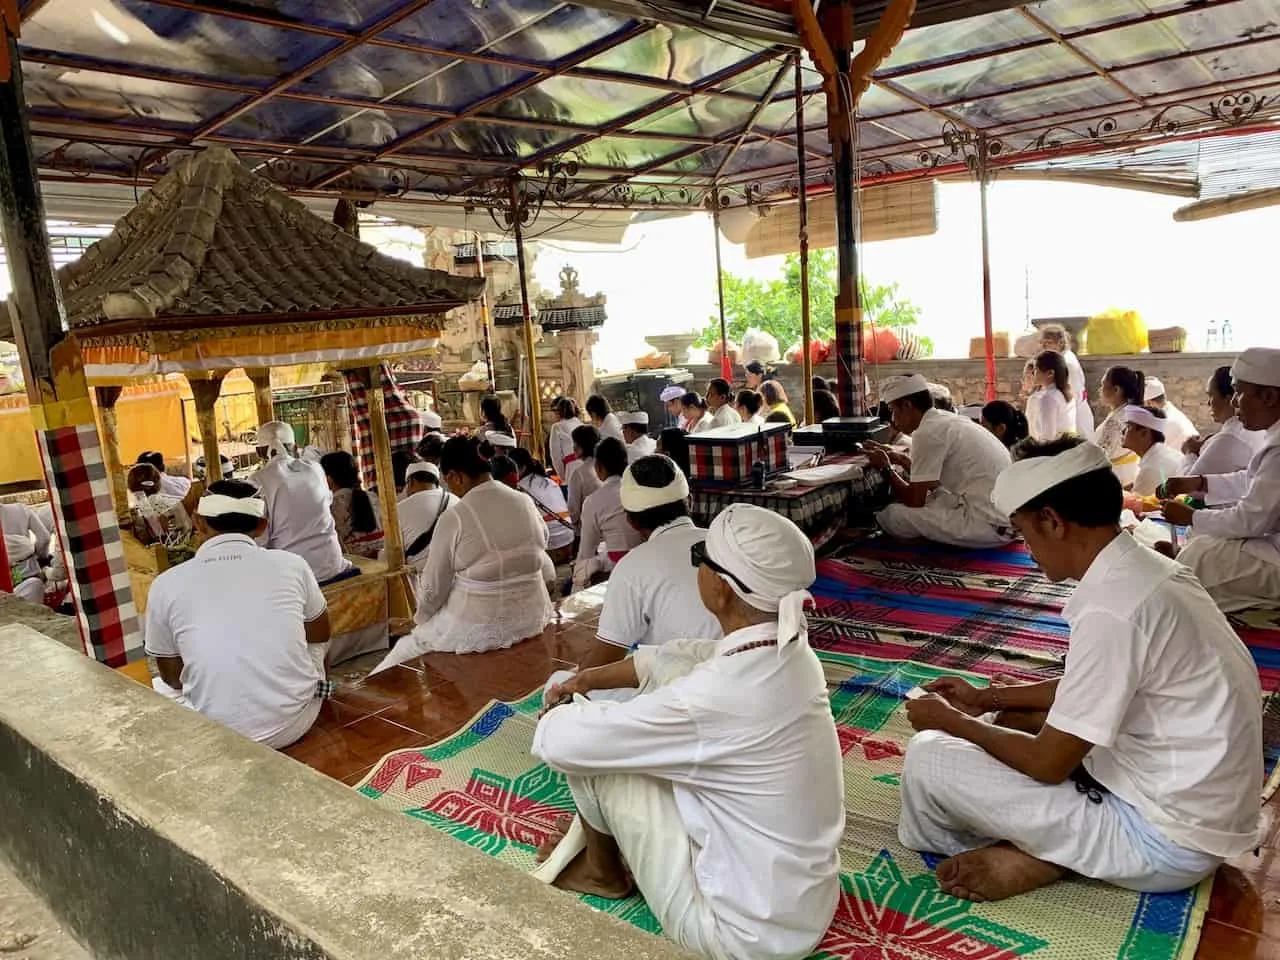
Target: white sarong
[
  {"x": 1238, "y": 574},
  {"x": 945, "y": 518},
  {"x": 957, "y": 797}
]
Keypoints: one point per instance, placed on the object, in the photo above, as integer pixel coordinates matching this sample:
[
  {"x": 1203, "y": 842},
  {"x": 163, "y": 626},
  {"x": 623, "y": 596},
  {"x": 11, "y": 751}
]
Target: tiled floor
[{"x": 433, "y": 696}]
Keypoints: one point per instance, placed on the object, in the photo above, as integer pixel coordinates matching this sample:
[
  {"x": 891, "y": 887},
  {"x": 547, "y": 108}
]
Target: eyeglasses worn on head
[{"x": 699, "y": 558}]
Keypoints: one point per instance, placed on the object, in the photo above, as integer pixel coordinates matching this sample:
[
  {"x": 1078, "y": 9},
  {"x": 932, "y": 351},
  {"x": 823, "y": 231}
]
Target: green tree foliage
[{"x": 774, "y": 305}]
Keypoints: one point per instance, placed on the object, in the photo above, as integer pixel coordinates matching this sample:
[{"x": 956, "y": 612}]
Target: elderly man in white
[
  {"x": 717, "y": 791},
  {"x": 635, "y": 433},
  {"x": 1157, "y": 717},
  {"x": 953, "y": 464},
  {"x": 1235, "y": 551}
]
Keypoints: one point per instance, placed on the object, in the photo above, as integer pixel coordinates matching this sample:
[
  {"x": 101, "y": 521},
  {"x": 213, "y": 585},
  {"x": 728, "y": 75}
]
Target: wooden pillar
[
  {"x": 486, "y": 329},
  {"x": 382, "y": 465},
  {"x": 205, "y": 389},
  {"x": 117, "y": 472},
  {"x": 726, "y": 365},
  {"x": 66, "y": 430},
  {"x": 519, "y": 210},
  {"x": 837, "y": 24},
  {"x": 806, "y": 332},
  {"x": 261, "y": 378}
]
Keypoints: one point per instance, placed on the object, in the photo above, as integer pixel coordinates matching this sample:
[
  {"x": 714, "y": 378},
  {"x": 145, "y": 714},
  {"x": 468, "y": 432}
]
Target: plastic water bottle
[
  {"x": 1211, "y": 336},
  {"x": 1226, "y": 334}
]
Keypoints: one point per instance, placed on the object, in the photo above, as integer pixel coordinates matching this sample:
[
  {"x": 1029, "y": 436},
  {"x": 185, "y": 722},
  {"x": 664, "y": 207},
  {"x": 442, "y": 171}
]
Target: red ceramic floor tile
[
  {"x": 343, "y": 751},
  {"x": 1221, "y": 942}
]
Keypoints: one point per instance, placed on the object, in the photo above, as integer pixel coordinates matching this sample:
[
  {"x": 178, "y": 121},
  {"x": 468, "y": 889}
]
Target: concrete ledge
[
  {"x": 154, "y": 833},
  {"x": 56, "y": 626}
]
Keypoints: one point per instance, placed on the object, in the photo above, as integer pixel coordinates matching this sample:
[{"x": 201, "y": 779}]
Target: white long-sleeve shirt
[
  {"x": 611, "y": 426},
  {"x": 1255, "y": 492},
  {"x": 582, "y": 484},
  {"x": 644, "y": 446},
  {"x": 25, "y": 536},
  {"x": 1079, "y": 390},
  {"x": 605, "y": 522},
  {"x": 1156, "y": 466},
  {"x": 561, "y": 447},
  {"x": 726, "y": 416},
  {"x": 1227, "y": 451},
  {"x": 1050, "y": 414},
  {"x": 760, "y": 791},
  {"x": 1178, "y": 428}
]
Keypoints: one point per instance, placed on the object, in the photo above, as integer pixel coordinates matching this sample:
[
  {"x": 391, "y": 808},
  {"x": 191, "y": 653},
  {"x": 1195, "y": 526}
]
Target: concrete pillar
[{"x": 577, "y": 362}]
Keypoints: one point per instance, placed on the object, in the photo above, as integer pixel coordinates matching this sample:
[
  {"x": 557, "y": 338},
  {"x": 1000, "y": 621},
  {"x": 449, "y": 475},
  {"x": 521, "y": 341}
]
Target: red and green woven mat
[{"x": 482, "y": 787}]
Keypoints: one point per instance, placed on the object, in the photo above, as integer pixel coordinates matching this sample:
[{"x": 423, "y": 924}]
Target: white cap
[
  {"x": 971, "y": 410},
  {"x": 1025, "y": 480},
  {"x": 895, "y": 388},
  {"x": 1142, "y": 417},
  {"x": 1260, "y": 365},
  {"x": 276, "y": 436},
  {"x": 634, "y": 418},
  {"x": 422, "y": 469},
  {"x": 671, "y": 393},
  {"x": 497, "y": 438},
  {"x": 431, "y": 420},
  {"x": 1153, "y": 389}
]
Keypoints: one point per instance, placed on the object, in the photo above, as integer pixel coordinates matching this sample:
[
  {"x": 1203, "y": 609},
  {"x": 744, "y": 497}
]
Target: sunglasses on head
[{"x": 699, "y": 558}]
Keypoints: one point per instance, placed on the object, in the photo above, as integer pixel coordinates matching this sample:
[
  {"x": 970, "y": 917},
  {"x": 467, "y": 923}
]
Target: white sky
[{"x": 1087, "y": 249}]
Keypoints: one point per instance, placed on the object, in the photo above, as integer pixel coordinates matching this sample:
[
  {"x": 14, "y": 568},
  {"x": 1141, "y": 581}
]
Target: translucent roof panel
[{"x": 442, "y": 99}]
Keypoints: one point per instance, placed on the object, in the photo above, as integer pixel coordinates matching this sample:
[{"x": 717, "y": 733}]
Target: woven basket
[{"x": 1167, "y": 340}]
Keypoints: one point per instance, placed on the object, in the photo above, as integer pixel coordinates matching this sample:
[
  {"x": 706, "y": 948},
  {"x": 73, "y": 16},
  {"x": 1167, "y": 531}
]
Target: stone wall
[{"x": 1183, "y": 374}]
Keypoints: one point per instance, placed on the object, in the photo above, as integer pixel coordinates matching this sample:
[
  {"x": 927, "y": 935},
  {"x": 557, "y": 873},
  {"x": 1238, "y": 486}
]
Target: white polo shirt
[
  {"x": 1168, "y": 694},
  {"x": 653, "y": 592},
  {"x": 236, "y": 613},
  {"x": 962, "y": 457}
]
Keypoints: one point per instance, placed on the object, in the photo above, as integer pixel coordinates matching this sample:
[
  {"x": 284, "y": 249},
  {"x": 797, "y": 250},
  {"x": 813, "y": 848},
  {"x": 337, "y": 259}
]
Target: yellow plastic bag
[{"x": 1117, "y": 332}]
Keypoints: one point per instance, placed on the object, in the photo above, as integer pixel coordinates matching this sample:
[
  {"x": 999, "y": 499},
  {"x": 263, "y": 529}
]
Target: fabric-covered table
[{"x": 820, "y": 511}]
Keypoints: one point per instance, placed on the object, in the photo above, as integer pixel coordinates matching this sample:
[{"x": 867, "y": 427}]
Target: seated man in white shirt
[
  {"x": 425, "y": 501},
  {"x": 299, "y": 504},
  {"x": 717, "y": 790},
  {"x": 652, "y": 596},
  {"x": 1144, "y": 435},
  {"x": 1235, "y": 551},
  {"x": 1179, "y": 428},
  {"x": 673, "y": 397},
  {"x": 635, "y": 432},
  {"x": 720, "y": 404},
  {"x": 951, "y": 469},
  {"x": 28, "y": 547},
  {"x": 1159, "y": 701},
  {"x": 239, "y": 632}
]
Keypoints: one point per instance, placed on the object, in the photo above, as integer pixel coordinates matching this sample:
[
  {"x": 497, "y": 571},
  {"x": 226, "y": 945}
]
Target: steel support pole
[
  {"x": 984, "y": 180},
  {"x": 803, "y": 173},
  {"x": 726, "y": 367}
]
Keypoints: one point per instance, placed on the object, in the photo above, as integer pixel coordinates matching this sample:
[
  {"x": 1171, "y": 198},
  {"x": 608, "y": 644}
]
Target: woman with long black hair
[
  {"x": 1121, "y": 387},
  {"x": 355, "y": 510}
]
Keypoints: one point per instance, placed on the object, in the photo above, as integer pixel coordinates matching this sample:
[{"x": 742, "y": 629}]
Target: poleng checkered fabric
[{"x": 404, "y": 422}]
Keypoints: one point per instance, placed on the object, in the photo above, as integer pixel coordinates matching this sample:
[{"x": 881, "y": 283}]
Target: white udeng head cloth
[
  {"x": 1152, "y": 389},
  {"x": 277, "y": 437},
  {"x": 671, "y": 393},
  {"x": 220, "y": 505},
  {"x": 422, "y": 469},
  {"x": 771, "y": 555},
  {"x": 895, "y": 388},
  {"x": 637, "y": 418},
  {"x": 1260, "y": 365},
  {"x": 497, "y": 438},
  {"x": 1025, "y": 480},
  {"x": 637, "y": 499},
  {"x": 1142, "y": 417},
  {"x": 431, "y": 420}
]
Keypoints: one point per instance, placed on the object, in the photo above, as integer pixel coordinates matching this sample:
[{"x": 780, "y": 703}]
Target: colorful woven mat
[
  {"x": 985, "y": 611},
  {"x": 482, "y": 787}
]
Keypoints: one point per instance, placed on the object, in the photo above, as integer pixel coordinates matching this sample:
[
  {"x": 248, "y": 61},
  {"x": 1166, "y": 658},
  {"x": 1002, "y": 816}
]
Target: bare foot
[
  {"x": 548, "y": 846},
  {"x": 582, "y": 876},
  {"x": 995, "y": 873}
]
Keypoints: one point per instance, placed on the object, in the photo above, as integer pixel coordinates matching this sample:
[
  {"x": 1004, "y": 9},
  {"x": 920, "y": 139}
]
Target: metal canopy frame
[{"x": 443, "y": 101}]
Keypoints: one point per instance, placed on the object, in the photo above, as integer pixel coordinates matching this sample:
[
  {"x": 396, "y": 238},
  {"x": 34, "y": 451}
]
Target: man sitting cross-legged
[
  {"x": 1147, "y": 769},
  {"x": 240, "y": 632},
  {"x": 718, "y": 788}
]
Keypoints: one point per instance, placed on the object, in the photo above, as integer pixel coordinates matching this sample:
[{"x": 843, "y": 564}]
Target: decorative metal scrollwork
[{"x": 961, "y": 144}]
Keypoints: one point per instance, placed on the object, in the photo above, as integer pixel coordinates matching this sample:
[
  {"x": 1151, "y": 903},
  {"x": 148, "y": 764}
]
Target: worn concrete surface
[
  {"x": 54, "y": 625},
  {"x": 183, "y": 807},
  {"x": 28, "y": 931}
]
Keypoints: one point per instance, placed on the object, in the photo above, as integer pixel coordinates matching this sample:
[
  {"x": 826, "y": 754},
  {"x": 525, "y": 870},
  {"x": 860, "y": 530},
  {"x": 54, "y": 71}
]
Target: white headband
[
  {"x": 219, "y": 505},
  {"x": 637, "y": 499},
  {"x": 431, "y": 420},
  {"x": 637, "y": 419},
  {"x": 1151, "y": 389},
  {"x": 497, "y": 438},
  {"x": 1260, "y": 365},
  {"x": 895, "y": 388},
  {"x": 671, "y": 393},
  {"x": 1025, "y": 480},
  {"x": 971, "y": 410},
  {"x": 1142, "y": 417},
  {"x": 277, "y": 437},
  {"x": 772, "y": 557},
  {"x": 418, "y": 469}
]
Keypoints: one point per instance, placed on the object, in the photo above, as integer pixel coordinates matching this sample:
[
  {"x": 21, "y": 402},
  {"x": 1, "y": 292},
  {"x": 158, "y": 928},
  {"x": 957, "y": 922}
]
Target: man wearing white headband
[
  {"x": 425, "y": 501},
  {"x": 1178, "y": 428},
  {"x": 431, "y": 421},
  {"x": 1235, "y": 551},
  {"x": 299, "y": 502},
  {"x": 953, "y": 464},
  {"x": 239, "y": 633},
  {"x": 718, "y": 788},
  {"x": 1140, "y": 766},
  {"x": 635, "y": 431},
  {"x": 1144, "y": 434}
]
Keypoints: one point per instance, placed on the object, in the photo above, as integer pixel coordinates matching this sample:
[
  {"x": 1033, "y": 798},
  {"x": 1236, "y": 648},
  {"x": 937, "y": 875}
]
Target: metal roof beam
[{"x": 785, "y": 69}]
